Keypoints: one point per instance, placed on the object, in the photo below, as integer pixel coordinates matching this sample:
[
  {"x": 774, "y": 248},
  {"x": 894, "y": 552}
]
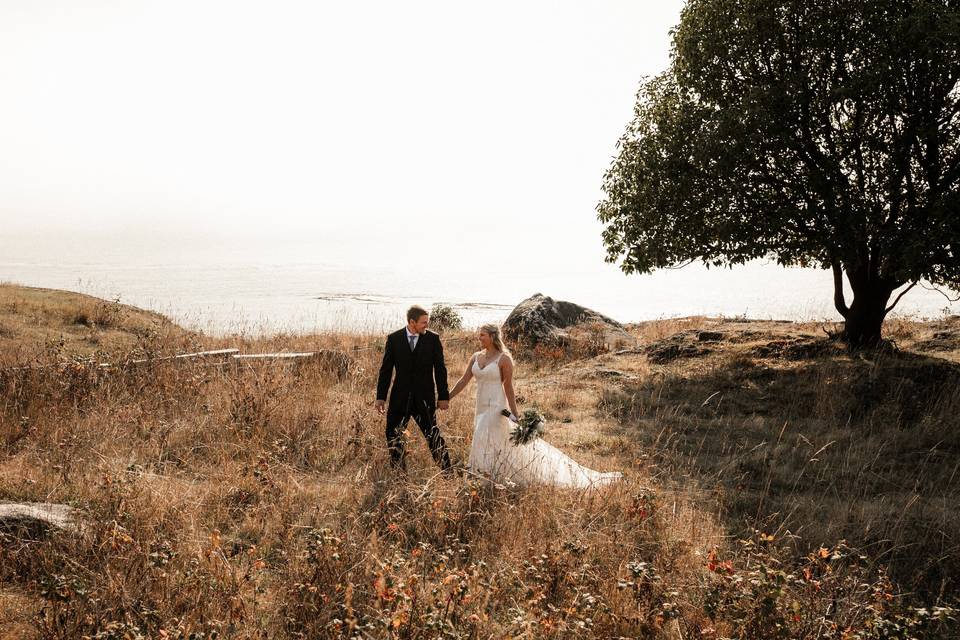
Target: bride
[{"x": 491, "y": 452}]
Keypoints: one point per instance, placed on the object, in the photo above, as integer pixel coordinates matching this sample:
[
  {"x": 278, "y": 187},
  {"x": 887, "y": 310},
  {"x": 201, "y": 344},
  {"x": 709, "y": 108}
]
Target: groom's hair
[{"x": 416, "y": 312}]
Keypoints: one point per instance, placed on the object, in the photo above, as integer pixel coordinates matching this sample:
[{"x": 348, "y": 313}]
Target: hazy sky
[{"x": 354, "y": 125}]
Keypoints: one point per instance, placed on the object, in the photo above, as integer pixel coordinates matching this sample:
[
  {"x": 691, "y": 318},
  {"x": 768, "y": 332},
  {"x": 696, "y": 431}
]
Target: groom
[{"x": 417, "y": 356}]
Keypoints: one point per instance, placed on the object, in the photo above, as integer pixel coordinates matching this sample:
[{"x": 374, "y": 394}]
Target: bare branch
[
  {"x": 902, "y": 293},
  {"x": 941, "y": 292},
  {"x": 680, "y": 266}
]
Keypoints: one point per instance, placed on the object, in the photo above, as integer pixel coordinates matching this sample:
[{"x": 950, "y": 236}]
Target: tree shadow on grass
[{"x": 803, "y": 439}]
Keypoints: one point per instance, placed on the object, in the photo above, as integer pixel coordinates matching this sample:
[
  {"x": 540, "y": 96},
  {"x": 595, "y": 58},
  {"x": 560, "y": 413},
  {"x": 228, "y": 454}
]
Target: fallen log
[
  {"x": 191, "y": 356},
  {"x": 276, "y": 356},
  {"x": 199, "y": 355},
  {"x": 331, "y": 360}
]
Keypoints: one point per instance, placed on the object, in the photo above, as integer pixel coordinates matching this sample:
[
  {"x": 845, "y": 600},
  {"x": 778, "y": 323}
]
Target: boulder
[
  {"x": 35, "y": 519},
  {"x": 797, "y": 347},
  {"x": 542, "y": 321},
  {"x": 710, "y": 336},
  {"x": 944, "y": 340},
  {"x": 685, "y": 344}
]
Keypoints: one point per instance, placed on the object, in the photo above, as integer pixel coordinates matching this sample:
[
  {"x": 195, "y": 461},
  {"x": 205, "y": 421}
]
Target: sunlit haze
[
  {"x": 375, "y": 130},
  {"x": 458, "y": 146}
]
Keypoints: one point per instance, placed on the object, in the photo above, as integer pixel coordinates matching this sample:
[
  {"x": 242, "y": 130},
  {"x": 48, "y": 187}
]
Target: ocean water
[{"x": 242, "y": 290}]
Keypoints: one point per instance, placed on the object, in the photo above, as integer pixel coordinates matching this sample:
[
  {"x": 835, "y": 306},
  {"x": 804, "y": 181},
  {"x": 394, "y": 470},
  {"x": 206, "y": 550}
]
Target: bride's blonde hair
[{"x": 493, "y": 331}]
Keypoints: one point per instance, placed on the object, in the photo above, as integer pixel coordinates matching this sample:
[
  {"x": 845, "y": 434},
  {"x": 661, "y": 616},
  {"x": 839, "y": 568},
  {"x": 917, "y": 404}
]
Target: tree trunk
[{"x": 863, "y": 319}]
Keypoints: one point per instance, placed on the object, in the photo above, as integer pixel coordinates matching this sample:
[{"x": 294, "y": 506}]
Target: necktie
[{"x": 413, "y": 341}]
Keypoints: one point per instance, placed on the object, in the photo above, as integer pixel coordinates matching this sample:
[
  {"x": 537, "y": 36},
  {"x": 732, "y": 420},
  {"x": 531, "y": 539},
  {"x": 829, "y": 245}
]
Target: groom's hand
[
  {"x": 379, "y": 404},
  {"x": 443, "y": 405}
]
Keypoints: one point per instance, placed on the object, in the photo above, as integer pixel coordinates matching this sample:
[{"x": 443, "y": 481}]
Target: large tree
[{"x": 821, "y": 133}]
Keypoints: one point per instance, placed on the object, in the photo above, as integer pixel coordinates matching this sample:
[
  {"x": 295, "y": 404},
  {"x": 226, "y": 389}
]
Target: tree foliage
[{"x": 821, "y": 133}]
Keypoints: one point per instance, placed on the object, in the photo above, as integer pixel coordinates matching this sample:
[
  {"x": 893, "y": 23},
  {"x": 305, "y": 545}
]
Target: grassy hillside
[
  {"x": 35, "y": 320},
  {"x": 776, "y": 487}
]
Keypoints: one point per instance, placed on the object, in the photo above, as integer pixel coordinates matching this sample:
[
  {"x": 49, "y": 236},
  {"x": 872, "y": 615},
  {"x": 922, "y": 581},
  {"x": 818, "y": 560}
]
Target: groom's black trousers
[{"x": 426, "y": 418}]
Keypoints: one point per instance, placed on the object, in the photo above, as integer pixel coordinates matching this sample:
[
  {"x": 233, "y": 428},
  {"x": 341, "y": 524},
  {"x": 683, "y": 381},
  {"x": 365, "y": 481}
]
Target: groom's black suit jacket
[{"x": 416, "y": 370}]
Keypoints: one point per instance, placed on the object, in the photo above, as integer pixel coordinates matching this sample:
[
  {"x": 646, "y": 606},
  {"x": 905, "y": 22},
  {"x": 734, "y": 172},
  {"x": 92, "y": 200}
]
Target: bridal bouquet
[{"x": 528, "y": 428}]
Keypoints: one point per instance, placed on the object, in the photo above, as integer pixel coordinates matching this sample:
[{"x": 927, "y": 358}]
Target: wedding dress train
[{"x": 492, "y": 454}]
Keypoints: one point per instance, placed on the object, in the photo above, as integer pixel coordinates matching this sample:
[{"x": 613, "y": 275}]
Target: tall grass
[
  {"x": 257, "y": 501},
  {"x": 860, "y": 448}
]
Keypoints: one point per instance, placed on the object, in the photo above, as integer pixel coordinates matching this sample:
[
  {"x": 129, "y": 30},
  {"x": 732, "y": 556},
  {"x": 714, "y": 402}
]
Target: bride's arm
[
  {"x": 464, "y": 379},
  {"x": 506, "y": 374}
]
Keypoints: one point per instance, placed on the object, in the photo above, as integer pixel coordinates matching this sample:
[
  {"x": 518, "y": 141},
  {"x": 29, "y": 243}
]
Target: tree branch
[
  {"x": 681, "y": 266},
  {"x": 940, "y": 291},
  {"x": 838, "y": 300},
  {"x": 902, "y": 293}
]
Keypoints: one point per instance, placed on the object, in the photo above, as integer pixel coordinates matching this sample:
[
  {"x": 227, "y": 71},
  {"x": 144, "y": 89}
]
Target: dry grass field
[
  {"x": 35, "y": 322},
  {"x": 776, "y": 486}
]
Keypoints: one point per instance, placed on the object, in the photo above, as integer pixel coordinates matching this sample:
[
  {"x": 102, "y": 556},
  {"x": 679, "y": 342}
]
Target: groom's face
[{"x": 419, "y": 325}]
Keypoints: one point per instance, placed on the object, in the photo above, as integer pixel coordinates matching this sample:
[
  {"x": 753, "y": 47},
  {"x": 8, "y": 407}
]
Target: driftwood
[
  {"x": 199, "y": 355},
  {"x": 215, "y": 354},
  {"x": 275, "y": 356},
  {"x": 36, "y": 519},
  {"x": 331, "y": 360}
]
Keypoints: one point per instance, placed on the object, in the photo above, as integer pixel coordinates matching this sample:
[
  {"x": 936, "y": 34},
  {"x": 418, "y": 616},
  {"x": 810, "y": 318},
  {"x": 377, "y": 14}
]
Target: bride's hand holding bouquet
[{"x": 527, "y": 428}]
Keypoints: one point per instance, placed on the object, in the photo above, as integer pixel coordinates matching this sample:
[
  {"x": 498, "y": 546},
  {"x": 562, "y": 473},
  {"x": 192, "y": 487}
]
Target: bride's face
[{"x": 486, "y": 341}]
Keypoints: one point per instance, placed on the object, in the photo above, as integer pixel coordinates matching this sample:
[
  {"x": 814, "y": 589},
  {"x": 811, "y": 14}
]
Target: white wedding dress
[{"x": 493, "y": 455}]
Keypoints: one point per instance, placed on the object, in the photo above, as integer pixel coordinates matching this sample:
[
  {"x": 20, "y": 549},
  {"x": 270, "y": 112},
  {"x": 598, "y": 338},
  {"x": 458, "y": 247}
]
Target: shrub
[{"x": 444, "y": 317}]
